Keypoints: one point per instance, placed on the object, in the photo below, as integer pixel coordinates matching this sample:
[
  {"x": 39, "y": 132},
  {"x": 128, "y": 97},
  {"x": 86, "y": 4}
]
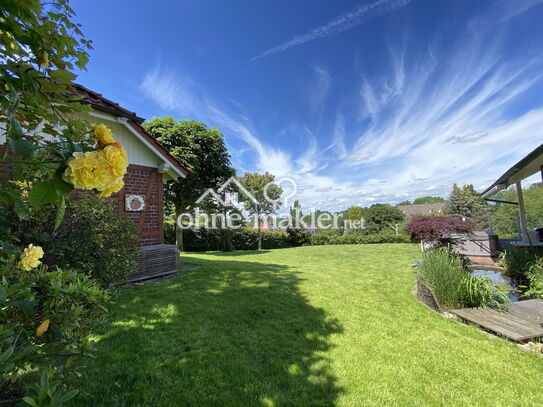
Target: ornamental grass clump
[{"x": 454, "y": 286}]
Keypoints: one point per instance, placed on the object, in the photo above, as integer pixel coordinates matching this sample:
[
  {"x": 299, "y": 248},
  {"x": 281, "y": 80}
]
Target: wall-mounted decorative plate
[{"x": 134, "y": 203}]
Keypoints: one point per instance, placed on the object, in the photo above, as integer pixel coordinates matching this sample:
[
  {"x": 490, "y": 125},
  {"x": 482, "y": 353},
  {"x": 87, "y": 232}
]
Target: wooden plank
[
  {"x": 518, "y": 323},
  {"x": 493, "y": 325},
  {"x": 531, "y": 310}
]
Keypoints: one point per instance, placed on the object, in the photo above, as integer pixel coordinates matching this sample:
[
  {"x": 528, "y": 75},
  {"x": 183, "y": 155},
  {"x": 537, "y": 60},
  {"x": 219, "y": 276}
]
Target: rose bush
[{"x": 46, "y": 313}]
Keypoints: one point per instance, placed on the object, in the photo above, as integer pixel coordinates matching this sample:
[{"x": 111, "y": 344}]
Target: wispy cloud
[
  {"x": 448, "y": 114},
  {"x": 351, "y": 19},
  {"x": 318, "y": 90}
]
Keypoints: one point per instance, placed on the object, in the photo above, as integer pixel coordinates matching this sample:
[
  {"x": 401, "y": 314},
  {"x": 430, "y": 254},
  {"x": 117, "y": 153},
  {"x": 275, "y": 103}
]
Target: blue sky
[{"x": 358, "y": 101}]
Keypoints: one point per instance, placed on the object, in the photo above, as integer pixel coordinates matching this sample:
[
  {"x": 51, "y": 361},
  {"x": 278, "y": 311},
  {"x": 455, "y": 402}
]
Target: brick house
[{"x": 141, "y": 199}]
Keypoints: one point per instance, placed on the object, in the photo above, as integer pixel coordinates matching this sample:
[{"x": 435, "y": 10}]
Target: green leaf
[
  {"x": 2, "y": 293},
  {"x": 62, "y": 75},
  {"x": 62, "y": 187},
  {"x": 15, "y": 129},
  {"x": 22, "y": 147},
  {"x": 67, "y": 396},
  {"x": 30, "y": 401},
  {"x": 60, "y": 213},
  {"x": 42, "y": 193}
]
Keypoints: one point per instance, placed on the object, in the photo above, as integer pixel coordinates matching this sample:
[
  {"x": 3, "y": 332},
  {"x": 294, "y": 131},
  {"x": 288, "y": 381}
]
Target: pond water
[{"x": 498, "y": 277}]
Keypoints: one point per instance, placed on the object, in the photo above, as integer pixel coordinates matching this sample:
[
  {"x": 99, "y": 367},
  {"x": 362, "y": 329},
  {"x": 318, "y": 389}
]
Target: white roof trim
[{"x": 173, "y": 172}]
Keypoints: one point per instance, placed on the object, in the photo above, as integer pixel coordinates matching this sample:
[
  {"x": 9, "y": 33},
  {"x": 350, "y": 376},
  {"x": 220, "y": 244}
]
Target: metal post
[{"x": 522, "y": 212}]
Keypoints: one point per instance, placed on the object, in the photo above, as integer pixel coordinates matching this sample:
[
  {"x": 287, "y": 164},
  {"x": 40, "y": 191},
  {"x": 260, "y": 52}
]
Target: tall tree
[
  {"x": 201, "y": 150},
  {"x": 465, "y": 202},
  {"x": 382, "y": 216},
  {"x": 263, "y": 194}
]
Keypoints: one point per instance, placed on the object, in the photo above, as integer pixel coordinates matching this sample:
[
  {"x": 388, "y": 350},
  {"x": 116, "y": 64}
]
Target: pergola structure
[{"x": 528, "y": 166}]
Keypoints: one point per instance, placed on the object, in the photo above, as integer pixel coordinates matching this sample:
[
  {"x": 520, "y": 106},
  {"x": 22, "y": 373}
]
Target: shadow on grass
[{"x": 229, "y": 333}]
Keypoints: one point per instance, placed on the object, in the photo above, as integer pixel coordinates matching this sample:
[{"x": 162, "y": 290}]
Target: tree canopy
[
  {"x": 201, "y": 150},
  {"x": 382, "y": 216},
  {"x": 264, "y": 199},
  {"x": 505, "y": 216},
  {"x": 428, "y": 199},
  {"x": 466, "y": 203}
]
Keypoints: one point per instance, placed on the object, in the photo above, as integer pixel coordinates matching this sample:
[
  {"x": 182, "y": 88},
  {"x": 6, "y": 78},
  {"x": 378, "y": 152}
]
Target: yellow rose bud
[
  {"x": 103, "y": 134},
  {"x": 30, "y": 258},
  {"x": 43, "y": 59},
  {"x": 44, "y": 326}
]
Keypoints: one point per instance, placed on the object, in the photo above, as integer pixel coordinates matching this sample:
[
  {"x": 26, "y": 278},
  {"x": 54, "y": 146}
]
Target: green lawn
[{"x": 309, "y": 326}]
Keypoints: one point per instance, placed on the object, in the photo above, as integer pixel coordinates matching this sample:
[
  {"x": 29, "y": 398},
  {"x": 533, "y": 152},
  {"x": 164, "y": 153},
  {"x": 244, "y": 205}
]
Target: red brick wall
[{"x": 146, "y": 181}]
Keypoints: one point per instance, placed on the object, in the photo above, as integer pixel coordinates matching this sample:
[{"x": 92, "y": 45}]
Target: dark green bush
[
  {"x": 298, "y": 237},
  {"x": 98, "y": 241},
  {"x": 169, "y": 231},
  {"x": 198, "y": 240},
  {"x": 383, "y": 237},
  {"x": 93, "y": 238}
]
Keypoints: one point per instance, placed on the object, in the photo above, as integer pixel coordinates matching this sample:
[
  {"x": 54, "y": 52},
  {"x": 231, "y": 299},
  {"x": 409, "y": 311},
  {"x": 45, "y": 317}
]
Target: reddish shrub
[{"x": 437, "y": 228}]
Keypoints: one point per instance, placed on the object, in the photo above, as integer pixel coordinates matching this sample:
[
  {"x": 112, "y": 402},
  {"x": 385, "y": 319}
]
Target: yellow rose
[
  {"x": 116, "y": 156},
  {"x": 115, "y": 187},
  {"x": 88, "y": 170},
  {"x": 44, "y": 326},
  {"x": 103, "y": 134},
  {"x": 31, "y": 257}
]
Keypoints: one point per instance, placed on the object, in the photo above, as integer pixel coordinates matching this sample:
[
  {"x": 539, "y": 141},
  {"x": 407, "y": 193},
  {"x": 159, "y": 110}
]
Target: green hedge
[
  {"x": 198, "y": 240},
  {"x": 383, "y": 237}
]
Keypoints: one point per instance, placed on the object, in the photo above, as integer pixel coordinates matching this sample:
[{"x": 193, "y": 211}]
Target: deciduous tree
[
  {"x": 264, "y": 199},
  {"x": 201, "y": 150}
]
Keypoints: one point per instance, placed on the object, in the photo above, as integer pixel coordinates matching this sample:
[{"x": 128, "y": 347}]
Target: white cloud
[{"x": 358, "y": 15}]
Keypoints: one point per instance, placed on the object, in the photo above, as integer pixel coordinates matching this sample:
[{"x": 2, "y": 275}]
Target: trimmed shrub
[
  {"x": 437, "y": 228},
  {"x": 383, "y": 237},
  {"x": 199, "y": 240}
]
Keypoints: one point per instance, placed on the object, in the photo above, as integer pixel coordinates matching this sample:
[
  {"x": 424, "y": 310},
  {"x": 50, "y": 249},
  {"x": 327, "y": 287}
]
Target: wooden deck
[{"x": 521, "y": 321}]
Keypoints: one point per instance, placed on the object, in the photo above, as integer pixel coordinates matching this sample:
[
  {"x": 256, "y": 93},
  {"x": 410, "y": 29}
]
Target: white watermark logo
[{"x": 231, "y": 212}]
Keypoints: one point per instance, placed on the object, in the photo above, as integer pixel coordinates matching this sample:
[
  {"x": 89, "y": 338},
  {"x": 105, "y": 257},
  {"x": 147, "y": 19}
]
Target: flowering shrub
[
  {"x": 436, "y": 228},
  {"x": 47, "y": 317}
]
